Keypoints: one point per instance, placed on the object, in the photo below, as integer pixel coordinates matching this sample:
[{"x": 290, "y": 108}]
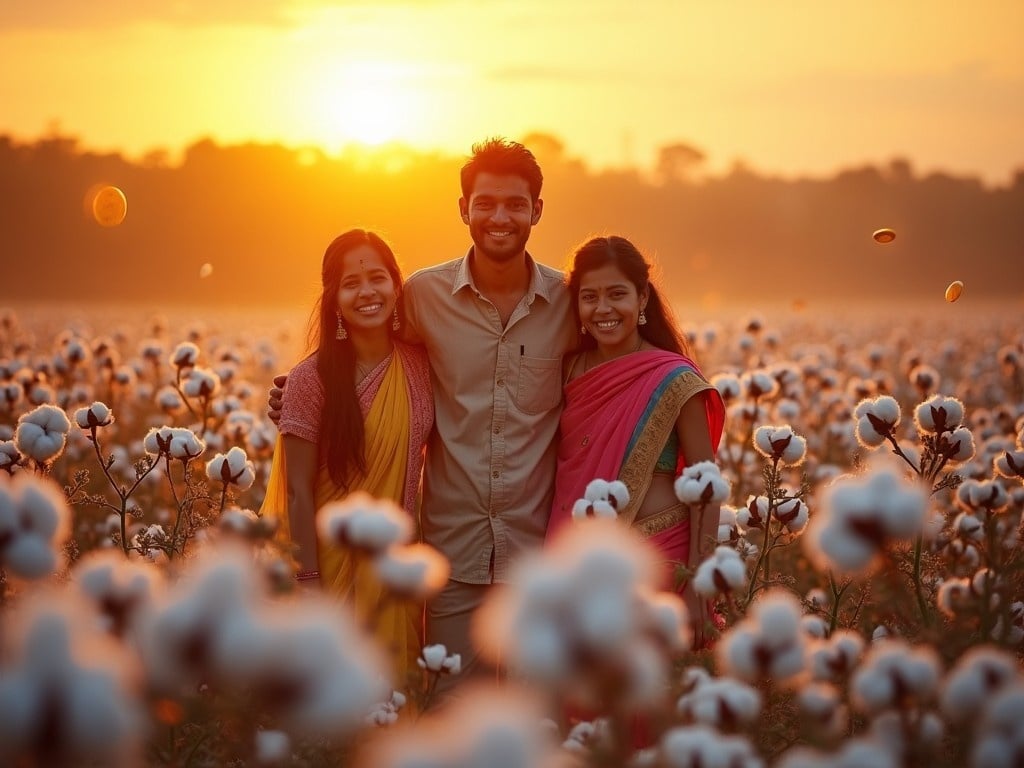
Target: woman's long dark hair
[
  {"x": 661, "y": 328},
  {"x": 341, "y": 424}
]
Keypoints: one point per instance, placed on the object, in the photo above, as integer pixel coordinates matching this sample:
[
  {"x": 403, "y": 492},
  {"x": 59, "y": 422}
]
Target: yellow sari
[{"x": 396, "y": 624}]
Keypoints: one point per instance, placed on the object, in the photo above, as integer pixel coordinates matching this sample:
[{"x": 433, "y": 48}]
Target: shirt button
[
  {"x": 501, "y": 382},
  {"x": 493, "y": 513},
  {"x": 497, "y": 430},
  {"x": 495, "y": 473}
]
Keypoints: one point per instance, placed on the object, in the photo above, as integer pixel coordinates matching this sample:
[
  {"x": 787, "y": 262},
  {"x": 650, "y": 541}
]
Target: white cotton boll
[
  {"x": 702, "y": 483},
  {"x": 184, "y": 355},
  {"x": 831, "y": 544},
  {"x": 9, "y": 454},
  {"x": 961, "y": 445},
  {"x": 780, "y": 443},
  {"x": 42, "y": 433},
  {"x": 755, "y": 513},
  {"x": 603, "y": 509},
  {"x": 988, "y": 495},
  {"x": 760, "y": 385},
  {"x": 200, "y": 382},
  {"x": 232, "y": 468},
  {"x": 582, "y": 509},
  {"x": 793, "y": 514},
  {"x": 977, "y": 676},
  {"x": 787, "y": 409},
  {"x": 814, "y": 626},
  {"x": 120, "y": 590},
  {"x": 271, "y": 747},
  {"x": 364, "y": 523},
  {"x": 728, "y": 386},
  {"x": 158, "y": 440},
  {"x": 892, "y": 672},
  {"x": 700, "y": 745},
  {"x": 939, "y": 414},
  {"x": 185, "y": 444},
  {"x": 669, "y": 620},
  {"x": 596, "y": 490},
  {"x": 891, "y": 730},
  {"x": 721, "y": 573},
  {"x": 96, "y": 415},
  {"x": 415, "y": 571},
  {"x": 432, "y": 657},
  {"x": 619, "y": 492},
  {"x": 969, "y": 527},
  {"x": 1010, "y": 464},
  {"x": 721, "y": 703}
]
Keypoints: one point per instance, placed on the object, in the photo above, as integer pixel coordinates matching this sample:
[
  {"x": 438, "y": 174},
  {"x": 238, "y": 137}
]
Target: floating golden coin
[
  {"x": 884, "y": 235},
  {"x": 109, "y": 206},
  {"x": 954, "y": 290},
  {"x": 206, "y": 270}
]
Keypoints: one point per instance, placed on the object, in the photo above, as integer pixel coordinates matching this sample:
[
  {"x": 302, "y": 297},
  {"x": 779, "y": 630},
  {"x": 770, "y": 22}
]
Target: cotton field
[{"x": 867, "y": 582}]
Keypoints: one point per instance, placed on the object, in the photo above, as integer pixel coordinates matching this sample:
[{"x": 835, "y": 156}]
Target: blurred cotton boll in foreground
[
  {"x": 581, "y": 618},
  {"x": 858, "y": 516},
  {"x": 34, "y": 524},
  {"x": 894, "y": 675},
  {"x": 483, "y": 728},
  {"x": 365, "y": 524},
  {"x": 120, "y": 590},
  {"x": 68, "y": 695}
]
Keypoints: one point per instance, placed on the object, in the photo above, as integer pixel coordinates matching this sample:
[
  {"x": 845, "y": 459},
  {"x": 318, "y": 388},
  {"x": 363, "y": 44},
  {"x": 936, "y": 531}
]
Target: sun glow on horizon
[{"x": 370, "y": 102}]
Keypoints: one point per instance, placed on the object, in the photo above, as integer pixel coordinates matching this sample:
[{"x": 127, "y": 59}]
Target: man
[{"x": 495, "y": 324}]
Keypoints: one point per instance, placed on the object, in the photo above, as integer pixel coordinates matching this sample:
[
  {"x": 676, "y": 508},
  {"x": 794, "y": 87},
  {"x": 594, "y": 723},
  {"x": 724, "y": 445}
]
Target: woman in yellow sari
[{"x": 355, "y": 417}]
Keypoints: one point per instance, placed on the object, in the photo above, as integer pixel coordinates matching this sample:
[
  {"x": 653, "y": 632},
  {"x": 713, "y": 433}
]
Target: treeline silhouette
[{"x": 261, "y": 215}]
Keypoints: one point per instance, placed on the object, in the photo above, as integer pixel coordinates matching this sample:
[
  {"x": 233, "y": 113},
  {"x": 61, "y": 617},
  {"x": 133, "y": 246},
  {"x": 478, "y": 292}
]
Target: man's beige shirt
[{"x": 490, "y": 464}]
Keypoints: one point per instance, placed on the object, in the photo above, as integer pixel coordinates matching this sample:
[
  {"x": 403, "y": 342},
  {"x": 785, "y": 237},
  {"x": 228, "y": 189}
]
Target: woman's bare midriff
[{"x": 660, "y": 496}]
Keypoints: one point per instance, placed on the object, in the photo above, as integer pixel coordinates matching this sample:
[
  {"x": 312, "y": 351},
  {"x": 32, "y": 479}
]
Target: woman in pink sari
[{"x": 637, "y": 408}]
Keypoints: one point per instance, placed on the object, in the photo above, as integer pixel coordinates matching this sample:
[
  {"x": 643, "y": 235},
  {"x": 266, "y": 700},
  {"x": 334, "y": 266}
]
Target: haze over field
[{"x": 752, "y": 148}]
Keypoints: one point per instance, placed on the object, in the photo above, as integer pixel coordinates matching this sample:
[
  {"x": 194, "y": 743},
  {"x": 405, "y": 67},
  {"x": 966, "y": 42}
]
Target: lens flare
[
  {"x": 884, "y": 235},
  {"x": 109, "y": 206},
  {"x": 954, "y": 290},
  {"x": 206, "y": 270}
]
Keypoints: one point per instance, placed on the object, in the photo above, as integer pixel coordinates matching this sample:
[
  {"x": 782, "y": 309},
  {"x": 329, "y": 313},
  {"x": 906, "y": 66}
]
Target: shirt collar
[{"x": 538, "y": 286}]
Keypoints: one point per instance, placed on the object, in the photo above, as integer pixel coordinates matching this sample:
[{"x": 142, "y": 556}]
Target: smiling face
[
  {"x": 500, "y": 213},
  {"x": 609, "y": 306},
  {"x": 367, "y": 292}
]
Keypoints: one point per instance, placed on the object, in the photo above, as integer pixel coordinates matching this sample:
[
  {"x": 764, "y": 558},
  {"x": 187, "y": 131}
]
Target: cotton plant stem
[{"x": 918, "y": 589}]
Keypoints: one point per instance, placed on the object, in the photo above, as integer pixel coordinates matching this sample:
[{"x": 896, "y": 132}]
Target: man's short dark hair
[{"x": 502, "y": 157}]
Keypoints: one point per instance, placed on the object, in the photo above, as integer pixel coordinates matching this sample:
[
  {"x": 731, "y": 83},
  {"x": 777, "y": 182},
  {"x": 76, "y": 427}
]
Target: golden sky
[{"x": 790, "y": 87}]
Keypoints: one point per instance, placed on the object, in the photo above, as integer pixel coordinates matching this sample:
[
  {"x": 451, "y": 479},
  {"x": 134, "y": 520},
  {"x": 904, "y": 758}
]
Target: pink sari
[{"x": 616, "y": 422}]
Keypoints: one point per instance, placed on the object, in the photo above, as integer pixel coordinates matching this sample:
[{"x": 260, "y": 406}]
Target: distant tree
[
  {"x": 677, "y": 161},
  {"x": 900, "y": 170},
  {"x": 547, "y": 147}
]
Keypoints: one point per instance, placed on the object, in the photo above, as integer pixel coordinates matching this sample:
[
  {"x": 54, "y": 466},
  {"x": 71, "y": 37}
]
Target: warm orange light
[
  {"x": 884, "y": 235},
  {"x": 371, "y": 102},
  {"x": 954, "y": 290}
]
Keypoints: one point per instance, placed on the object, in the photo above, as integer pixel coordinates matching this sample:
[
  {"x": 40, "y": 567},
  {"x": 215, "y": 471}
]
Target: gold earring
[
  {"x": 583, "y": 330},
  {"x": 642, "y": 320},
  {"x": 396, "y": 323},
  {"x": 342, "y": 334}
]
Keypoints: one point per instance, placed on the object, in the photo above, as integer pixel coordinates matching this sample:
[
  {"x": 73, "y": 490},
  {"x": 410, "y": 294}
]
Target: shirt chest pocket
[{"x": 538, "y": 385}]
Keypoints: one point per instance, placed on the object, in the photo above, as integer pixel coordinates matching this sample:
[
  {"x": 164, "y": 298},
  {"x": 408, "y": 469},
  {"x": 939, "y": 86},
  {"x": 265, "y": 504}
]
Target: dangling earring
[
  {"x": 396, "y": 323},
  {"x": 583, "y": 330},
  {"x": 642, "y": 320},
  {"x": 342, "y": 334}
]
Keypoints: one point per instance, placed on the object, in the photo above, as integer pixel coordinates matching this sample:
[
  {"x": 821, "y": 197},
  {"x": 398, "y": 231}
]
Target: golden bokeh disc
[
  {"x": 884, "y": 235},
  {"x": 954, "y": 290},
  {"x": 206, "y": 270},
  {"x": 109, "y": 206}
]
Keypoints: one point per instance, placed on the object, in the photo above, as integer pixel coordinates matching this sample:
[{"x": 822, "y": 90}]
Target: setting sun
[{"x": 370, "y": 102}]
